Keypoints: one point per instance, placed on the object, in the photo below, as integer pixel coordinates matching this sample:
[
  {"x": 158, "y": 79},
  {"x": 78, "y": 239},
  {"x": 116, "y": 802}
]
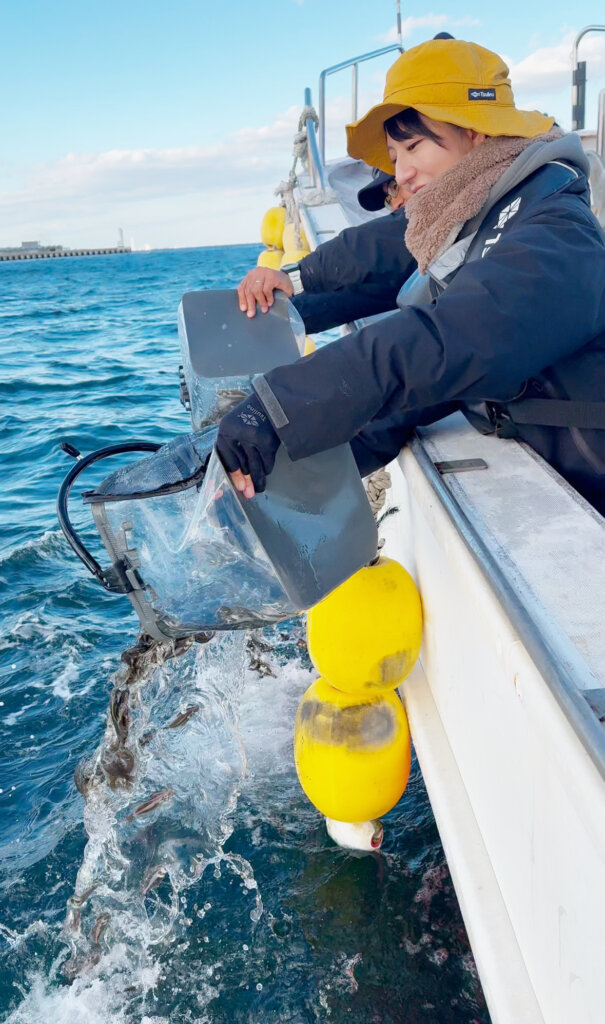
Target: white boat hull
[{"x": 518, "y": 796}]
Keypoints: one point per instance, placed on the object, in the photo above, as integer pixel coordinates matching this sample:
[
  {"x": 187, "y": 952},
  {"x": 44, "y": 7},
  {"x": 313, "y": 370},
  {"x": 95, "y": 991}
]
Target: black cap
[{"x": 372, "y": 196}]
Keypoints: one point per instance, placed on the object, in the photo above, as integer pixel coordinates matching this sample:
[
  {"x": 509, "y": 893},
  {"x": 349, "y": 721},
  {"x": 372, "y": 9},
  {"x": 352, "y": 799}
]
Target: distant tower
[{"x": 120, "y": 238}]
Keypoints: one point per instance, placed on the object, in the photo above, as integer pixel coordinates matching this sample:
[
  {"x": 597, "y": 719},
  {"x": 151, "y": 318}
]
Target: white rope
[
  {"x": 285, "y": 189},
  {"x": 377, "y": 485}
]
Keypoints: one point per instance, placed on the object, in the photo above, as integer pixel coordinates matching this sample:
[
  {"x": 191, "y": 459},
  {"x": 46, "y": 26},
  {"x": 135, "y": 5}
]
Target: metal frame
[
  {"x": 316, "y": 169},
  {"x": 601, "y": 125},
  {"x": 578, "y": 91},
  {"x": 353, "y": 63}
]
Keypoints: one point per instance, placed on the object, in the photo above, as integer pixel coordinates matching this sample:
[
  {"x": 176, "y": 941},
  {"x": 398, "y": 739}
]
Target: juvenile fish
[
  {"x": 150, "y": 805},
  {"x": 153, "y": 875},
  {"x": 184, "y": 716},
  {"x": 120, "y": 713},
  {"x": 78, "y": 965},
  {"x": 99, "y": 927},
  {"x": 118, "y": 766},
  {"x": 86, "y": 774}
]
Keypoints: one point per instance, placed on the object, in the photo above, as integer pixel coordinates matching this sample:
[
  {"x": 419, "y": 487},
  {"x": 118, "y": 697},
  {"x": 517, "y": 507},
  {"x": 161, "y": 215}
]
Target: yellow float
[
  {"x": 365, "y": 636},
  {"x": 309, "y": 346},
  {"x": 352, "y": 752},
  {"x": 271, "y": 258},
  {"x": 293, "y": 256},
  {"x": 290, "y": 242},
  {"x": 272, "y": 227}
]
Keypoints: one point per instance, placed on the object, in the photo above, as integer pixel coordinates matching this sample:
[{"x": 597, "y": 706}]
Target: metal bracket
[
  {"x": 184, "y": 390},
  {"x": 460, "y": 466}
]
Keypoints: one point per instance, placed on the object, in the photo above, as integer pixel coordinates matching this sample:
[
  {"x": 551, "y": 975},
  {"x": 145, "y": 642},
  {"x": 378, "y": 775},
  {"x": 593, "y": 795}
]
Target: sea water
[{"x": 226, "y": 901}]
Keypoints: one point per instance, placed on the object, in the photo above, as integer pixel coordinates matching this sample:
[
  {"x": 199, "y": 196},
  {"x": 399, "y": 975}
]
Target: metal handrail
[
  {"x": 601, "y": 125},
  {"x": 352, "y": 63},
  {"x": 315, "y": 162},
  {"x": 578, "y": 89}
]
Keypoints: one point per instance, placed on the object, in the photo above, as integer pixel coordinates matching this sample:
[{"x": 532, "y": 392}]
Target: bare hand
[
  {"x": 242, "y": 483},
  {"x": 258, "y": 286}
]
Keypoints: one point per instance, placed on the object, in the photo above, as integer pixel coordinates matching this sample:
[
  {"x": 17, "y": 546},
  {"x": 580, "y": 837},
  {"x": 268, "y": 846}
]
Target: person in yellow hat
[{"x": 506, "y": 318}]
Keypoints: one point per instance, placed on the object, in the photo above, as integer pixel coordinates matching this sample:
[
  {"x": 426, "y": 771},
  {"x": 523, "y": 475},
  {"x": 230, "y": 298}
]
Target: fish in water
[
  {"x": 120, "y": 713},
  {"x": 86, "y": 774},
  {"x": 150, "y": 805},
  {"x": 118, "y": 766},
  {"x": 99, "y": 927},
  {"x": 79, "y": 899},
  {"x": 77, "y": 965},
  {"x": 153, "y": 875},
  {"x": 184, "y": 716}
]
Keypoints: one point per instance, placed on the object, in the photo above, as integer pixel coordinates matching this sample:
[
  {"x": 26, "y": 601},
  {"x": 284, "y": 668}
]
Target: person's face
[
  {"x": 419, "y": 161},
  {"x": 396, "y": 195}
]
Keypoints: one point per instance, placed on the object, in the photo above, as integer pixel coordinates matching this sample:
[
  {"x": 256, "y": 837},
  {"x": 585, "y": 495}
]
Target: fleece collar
[{"x": 439, "y": 211}]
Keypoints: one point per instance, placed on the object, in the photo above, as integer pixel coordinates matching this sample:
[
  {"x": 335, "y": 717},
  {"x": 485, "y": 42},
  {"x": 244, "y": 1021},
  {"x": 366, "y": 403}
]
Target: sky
[{"x": 173, "y": 119}]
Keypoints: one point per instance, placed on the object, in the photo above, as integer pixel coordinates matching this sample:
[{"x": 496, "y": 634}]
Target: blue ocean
[{"x": 222, "y": 899}]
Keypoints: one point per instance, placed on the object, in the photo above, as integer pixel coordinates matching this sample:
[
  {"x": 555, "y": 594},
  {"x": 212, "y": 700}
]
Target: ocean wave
[{"x": 49, "y": 543}]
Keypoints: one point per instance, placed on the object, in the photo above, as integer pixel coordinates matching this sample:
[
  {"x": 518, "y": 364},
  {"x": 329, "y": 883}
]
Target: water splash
[{"x": 160, "y": 791}]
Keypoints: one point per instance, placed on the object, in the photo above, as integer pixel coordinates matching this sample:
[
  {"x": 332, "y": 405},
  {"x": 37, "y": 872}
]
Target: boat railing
[
  {"x": 601, "y": 126},
  {"x": 353, "y": 63},
  {"x": 578, "y": 107},
  {"x": 316, "y": 168}
]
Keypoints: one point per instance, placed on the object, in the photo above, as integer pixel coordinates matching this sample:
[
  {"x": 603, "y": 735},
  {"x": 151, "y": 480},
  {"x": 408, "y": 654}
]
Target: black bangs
[{"x": 408, "y": 124}]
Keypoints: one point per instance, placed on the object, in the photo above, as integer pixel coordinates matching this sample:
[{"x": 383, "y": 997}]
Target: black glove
[{"x": 247, "y": 441}]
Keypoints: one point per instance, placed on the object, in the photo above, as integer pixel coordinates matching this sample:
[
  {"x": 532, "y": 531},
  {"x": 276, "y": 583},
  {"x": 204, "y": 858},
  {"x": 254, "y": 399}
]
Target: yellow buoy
[
  {"x": 365, "y": 636},
  {"x": 309, "y": 346},
  {"x": 290, "y": 240},
  {"x": 352, "y": 752},
  {"x": 270, "y": 258},
  {"x": 272, "y": 227},
  {"x": 293, "y": 256}
]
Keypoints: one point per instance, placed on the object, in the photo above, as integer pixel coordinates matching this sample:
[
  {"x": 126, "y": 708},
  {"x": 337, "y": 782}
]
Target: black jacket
[
  {"x": 524, "y": 315},
  {"x": 355, "y": 275}
]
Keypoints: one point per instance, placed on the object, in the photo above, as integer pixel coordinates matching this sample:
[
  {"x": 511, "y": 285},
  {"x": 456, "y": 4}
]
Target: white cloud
[
  {"x": 549, "y": 68},
  {"x": 436, "y": 22},
  {"x": 198, "y": 195},
  {"x": 194, "y": 195}
]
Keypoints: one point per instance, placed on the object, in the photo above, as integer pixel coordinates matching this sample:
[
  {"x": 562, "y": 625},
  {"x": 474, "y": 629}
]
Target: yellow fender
[
  {"x": 352, "y": 752},
  {"x": 270, "y": 258},
  {"x": 365, "y": 636},
  {"x": 272, "y": 227},
  {"x": 293, "y": 256},
  {"x": 289, "y": 238}
]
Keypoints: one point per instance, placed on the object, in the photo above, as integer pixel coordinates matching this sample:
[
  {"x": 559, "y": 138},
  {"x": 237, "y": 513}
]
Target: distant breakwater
[{"x": 51, "y": 254}]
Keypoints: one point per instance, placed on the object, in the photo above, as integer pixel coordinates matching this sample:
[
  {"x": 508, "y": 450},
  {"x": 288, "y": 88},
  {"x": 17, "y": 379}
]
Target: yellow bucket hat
[{"x": 448, "y": 80}]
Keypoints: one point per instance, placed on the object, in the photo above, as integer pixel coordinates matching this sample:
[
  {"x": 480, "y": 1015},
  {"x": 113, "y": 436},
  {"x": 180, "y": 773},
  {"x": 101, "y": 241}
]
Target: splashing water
[
  {"x": 160, "y": 792},
  {"x": 169, "y": 931}
]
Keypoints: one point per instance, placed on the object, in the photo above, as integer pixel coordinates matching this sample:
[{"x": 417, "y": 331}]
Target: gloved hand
[{"x": 247, "y": 441}]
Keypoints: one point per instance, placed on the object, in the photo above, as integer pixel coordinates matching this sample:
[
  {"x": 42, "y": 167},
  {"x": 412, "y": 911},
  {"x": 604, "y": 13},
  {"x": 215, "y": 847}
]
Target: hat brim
[{"x": 366, "y": 138}]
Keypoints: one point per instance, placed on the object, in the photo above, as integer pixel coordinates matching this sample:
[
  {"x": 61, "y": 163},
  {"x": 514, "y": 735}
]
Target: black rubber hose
[{"x": 63, "y": 497}]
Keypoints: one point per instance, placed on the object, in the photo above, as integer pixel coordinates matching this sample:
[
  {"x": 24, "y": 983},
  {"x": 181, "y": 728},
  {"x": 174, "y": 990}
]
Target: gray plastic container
[
  {"x": 198, "y": 557},
  {"x": 194, "y": 555},
  {"x": 222, "y": 350}
]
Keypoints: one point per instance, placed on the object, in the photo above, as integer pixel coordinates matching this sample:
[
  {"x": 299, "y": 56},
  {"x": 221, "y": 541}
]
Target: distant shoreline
[
  {"x": 53, "y": 254},
  {"x": 12, "y": 255}
]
